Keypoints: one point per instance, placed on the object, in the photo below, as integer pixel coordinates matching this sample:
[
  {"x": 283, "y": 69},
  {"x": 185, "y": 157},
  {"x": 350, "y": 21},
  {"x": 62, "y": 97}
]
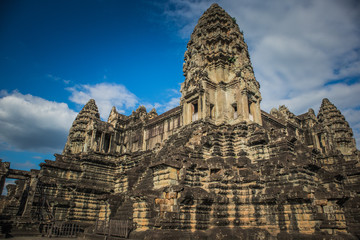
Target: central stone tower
[{"x": 219, "y": 85}]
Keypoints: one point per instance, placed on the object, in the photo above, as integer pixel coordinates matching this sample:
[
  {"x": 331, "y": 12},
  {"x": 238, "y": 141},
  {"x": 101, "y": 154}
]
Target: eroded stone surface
[{"x": 216, "y": 167}]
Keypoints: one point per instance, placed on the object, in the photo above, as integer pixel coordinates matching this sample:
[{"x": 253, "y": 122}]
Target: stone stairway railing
[{"x": 62, "y": 229}]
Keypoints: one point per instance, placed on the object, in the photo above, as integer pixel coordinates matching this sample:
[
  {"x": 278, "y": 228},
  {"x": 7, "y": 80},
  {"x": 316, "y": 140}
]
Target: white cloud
[
  {"x": 32, "y": 123},
  {"x": 163, "y": 107},
  {"x": 185, "y": 14},
  {"x": 55, "y": 78},
  {"x": 24, "y": 165},
  {"x": 337, "y": 94},
  {"x": 174, "y": 102},
  {"x": 353, "y": 117},
  {"x": 171, "y": 101},
  {"x": 302, "y": 51},
  {"x": 150, "y": 106},
  {"x": 106, "y": 96}
]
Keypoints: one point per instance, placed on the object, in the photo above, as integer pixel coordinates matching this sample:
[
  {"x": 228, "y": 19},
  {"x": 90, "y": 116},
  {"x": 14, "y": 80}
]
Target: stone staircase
[
  {"x": 145, "y": 181},
  {"x": 125, "y": 211}
]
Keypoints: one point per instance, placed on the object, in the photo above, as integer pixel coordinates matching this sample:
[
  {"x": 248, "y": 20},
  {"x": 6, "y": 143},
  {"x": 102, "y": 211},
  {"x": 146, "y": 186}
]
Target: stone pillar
[
  {"x": 189, "y": 112},
  {"x": 111, "y": 143},
  {"x": 219, "y": 102},
  {"x": 145, "y": 137},
  {"x": 251, "y": 107},
  {"x": 199, "y": 103},
  {"x": 87, "y": 142},
  {"x": 201, "y": 110},
  {"x": 244, "y": 104},
  {"x": 93, "y": 139},
  {"x": 185, "y": 113},
  {"x": 122, "y": 143},
  {"x": 33, "y": 183},
  {"x": 239, "y": 105},
  {"x": 2, "y": 182},
  {"x": 102, "y": 140},
  {"x": 317, "y": 141},
  {"x": 257, "y": 113},
  {"x": 4, "y": 168},
  {"x": 206, "y": 107}
]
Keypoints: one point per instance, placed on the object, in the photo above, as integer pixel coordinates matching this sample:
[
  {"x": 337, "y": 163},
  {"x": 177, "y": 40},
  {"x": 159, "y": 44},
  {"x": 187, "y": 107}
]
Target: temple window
[
  {"x": 96, "y": 145},
  {"x": 235, "y": 110},
  {"x": 107, "y": 142},
  {"x": 251, "y": 116},
  {"x": 212, "y": 115},
  {"x": 178, "y": 122},
  {"x": 135, "y": 146},
  {"x": 320, "y": 140},
  {"x": 308, "y": 138},
  {"x": 195, "y": 110}
]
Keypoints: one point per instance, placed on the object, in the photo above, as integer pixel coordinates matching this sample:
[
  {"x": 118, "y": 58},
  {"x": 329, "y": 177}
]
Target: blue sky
[{"x": 56, "y": 55}]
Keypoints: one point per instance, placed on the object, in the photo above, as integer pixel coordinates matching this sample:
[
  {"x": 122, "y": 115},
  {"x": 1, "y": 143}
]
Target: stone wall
[{"x": 215, "y": 167}]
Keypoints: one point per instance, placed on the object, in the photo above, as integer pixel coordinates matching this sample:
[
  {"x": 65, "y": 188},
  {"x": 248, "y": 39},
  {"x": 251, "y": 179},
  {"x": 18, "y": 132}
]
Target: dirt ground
[{"x": 43, "y": 238}]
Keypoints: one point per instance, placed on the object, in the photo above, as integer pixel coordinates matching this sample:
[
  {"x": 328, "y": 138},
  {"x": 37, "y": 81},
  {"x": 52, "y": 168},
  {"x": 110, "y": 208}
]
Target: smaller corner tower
[
  {"x": 338, "y": 127},
  {"x": 77, "y": 134},
  {"x": 219, "y": 85}
]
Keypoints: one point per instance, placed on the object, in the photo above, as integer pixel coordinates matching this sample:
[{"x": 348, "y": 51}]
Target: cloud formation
[
  {"x": 106, "y": 96},
  {"x": 163, "y": 107},
  {"x": 25, "y": 165},
  {"x": 302, "y": 51},
  {"x": 171, "y": 101},
  {"x": 32, "y": 123},
  {"x": 57, "y": 79}
]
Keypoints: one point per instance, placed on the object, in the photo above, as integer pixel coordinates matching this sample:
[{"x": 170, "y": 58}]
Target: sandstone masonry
[{"x": 215, "y": 167}]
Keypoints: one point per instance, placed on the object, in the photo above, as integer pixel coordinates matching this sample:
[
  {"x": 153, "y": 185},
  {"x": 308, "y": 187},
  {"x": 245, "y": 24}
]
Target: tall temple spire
[
  {"x": 340, "y": 129},
  {"x": 77, "y": 133},
  {"x": 219, "y": 80}
]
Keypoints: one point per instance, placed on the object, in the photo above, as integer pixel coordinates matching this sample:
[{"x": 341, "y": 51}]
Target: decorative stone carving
[
  {"x": 77, "y": 134},
  {"x": 219, "y": 80},
  {"x": 215, "y": 167},
  {"x": 338, "y": 127}
]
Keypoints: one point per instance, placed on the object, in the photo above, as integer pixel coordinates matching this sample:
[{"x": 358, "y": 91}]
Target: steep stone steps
[
  {"x": 145, "y": 181},
  {"x": 125, "y": 211}
]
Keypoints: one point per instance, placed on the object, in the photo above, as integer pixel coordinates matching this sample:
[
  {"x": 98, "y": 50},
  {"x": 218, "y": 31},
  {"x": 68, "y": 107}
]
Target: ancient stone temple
[{"x": 215, "y": 167}]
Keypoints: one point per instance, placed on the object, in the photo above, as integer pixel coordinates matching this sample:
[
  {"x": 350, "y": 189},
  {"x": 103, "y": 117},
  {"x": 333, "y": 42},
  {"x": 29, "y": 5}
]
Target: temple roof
[
  {"x": 215, "y": 41},
  {"x": 90, "y": 110},
  {"x": 77, "y": 131},
  {"x": 333, "y": 119}
]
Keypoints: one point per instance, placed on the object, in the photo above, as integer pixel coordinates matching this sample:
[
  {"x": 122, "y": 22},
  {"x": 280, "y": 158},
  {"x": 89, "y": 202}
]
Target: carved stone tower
[
  {"x": 77, "y": 134},
  {"x": 219, "y": 85},
  {"x": 335, "y": 123}
]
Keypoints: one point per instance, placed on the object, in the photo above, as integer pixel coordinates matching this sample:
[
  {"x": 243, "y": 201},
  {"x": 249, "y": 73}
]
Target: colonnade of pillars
[
  {"x": 101, "y": 141},
  {"x": 245, "y": 107}
]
